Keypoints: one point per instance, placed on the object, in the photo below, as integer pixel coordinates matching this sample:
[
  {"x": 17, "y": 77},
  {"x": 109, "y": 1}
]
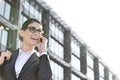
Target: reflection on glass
[
  {"x": 101, "y": 78},
  {"x": 57, "y": 71},
  {"x": 55, "y": 47},
  {"x": 90, "y": 73},
  {"x": 75, "y": 62},
  {"x": 101, "y": 70},
  {"x": 89, "y": 60},
  {"x": 3, "y": 39},
  {"x": 75, "y": 48},
  {"x": 57, "y": 32},
  {"x": 2, "y": 6},
  {"x": 110, "y": 76},
  {"x": 31, "y": 10},
  {"x": 26, "y": 5},
  {"x": 74, "y": 77},
  {"x": 7, "y": 11}
]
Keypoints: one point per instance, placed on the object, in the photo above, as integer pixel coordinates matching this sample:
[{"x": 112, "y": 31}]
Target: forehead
[{"x": 36, "y": 25}]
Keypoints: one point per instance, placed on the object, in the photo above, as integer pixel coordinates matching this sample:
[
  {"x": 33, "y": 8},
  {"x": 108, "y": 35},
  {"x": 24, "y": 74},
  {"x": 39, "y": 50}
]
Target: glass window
[
  {"x": 75, "y": 62},
  {"x": 101, "y": 78},
  {"x": 37, "y": 13},
  {"x": 26, "y": 5},
  {"x": 89, "y": 60},
  {"x": 5, "y": 9},
  {"x": 75, "y": 48},
  {"x": 34, "y": 10},
  {"x": 101, "y": 70},
  {"x": 2, "y": 7},
  {"x": 110, "y": 76},
  {"x": 90, "y": 73},
  {"x": 56, "y": 48},
  {"x": 31, "y": 9},
  {"x": 57, "y": 71},
  {"x": 3, "y": 39},
  {"x": 57, "y": 31},
  {"x": 74, "y": 77},
  {"x": 52, "y": 28},
  {"x": 22, "y": 20}
]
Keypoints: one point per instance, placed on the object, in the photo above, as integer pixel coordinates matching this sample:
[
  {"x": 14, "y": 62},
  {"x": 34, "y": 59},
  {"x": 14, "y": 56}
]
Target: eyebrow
[{"x": 36, "y": 28}]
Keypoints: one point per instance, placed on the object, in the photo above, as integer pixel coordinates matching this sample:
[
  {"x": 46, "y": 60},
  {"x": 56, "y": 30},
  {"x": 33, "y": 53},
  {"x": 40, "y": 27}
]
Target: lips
[{"x": 36, "y": 39}]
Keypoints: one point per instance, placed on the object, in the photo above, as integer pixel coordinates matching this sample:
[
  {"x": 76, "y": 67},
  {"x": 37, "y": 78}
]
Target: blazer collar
[
  {"x": 13, "y": 59},
  {"x": 32, "y": 59}
]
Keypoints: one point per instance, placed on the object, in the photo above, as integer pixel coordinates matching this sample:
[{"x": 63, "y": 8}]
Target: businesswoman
[{"x": 26, "y": 63}]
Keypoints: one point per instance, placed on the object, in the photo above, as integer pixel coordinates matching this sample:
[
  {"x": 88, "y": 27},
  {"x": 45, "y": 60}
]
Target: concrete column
[
  {"x": 114, "y": 77},
  {"x": 106, "y": 73},
  {"x": 11, "y": 43},
  {"x": 67, "y": 53},
  {"x": 14, "y": 19},
  {"x": 83, "y": 58},
  {"x": 45, "y": 22},
  {"x": 15, "y": 11},
  {"x": 96, "y": 69}
]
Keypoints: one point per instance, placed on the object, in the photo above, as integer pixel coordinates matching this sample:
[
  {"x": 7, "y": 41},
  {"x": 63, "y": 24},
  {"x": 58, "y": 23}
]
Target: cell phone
[
  {"x": 41, "y": 40},
  {"x": 36, "y": 47}
]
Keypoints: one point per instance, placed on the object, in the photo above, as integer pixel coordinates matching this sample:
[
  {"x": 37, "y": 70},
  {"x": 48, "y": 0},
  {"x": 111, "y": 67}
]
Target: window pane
[
  {"x": 3, "y": 39},
  {"x": 75, "y": 62},
  {"x": 22, "y": 20},
  {"x": 90, "y": 73},
  {"x": 101, "y": 78},
  {"x": 2, "y": 7},
  {"x": 101, "y": 69},
  {"x": 56, "y": 48},
  {"x": 110, "y": 76},
  {"x": 26, "y": 5},
  {"x": 57, "y": 32},
  {"x": 89, "y": 60},
  {"x": 57, "y": 71},
  {"x": 7, "y": 11},
  {"x": 31, "y": 10},
  {"x": 74, "y": 77},
  {"x": 75, "y": 49}
]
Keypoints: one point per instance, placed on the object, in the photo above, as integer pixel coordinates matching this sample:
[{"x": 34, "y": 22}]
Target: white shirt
[{"x": 23, "y": 58}]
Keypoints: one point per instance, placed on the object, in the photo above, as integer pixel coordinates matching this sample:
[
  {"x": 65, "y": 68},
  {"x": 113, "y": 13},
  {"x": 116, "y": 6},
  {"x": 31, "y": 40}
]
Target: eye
[
  {"x": 32, "y": 29},
  {"x": 39, "y": 30}
]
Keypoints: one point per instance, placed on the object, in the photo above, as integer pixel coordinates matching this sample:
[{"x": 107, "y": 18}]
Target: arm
[
  {"x": 45, "y": 72},
  {"x": 4, "y": 57}
]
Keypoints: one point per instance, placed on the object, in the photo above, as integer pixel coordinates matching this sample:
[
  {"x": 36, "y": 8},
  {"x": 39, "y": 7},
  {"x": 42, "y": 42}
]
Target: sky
[{"x": 97, "y": 22}]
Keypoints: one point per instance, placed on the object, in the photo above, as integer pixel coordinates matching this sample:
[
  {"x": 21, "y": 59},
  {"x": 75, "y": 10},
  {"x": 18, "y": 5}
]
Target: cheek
[{"x": 27, "y": 36}]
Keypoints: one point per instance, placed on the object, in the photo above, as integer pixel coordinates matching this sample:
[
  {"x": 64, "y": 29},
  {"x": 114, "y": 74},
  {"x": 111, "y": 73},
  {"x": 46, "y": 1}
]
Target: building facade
[{"x": 70, "y": 58}]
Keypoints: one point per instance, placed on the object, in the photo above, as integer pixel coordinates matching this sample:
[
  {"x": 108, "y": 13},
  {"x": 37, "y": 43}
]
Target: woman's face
[{"x": 31, "y": 36}]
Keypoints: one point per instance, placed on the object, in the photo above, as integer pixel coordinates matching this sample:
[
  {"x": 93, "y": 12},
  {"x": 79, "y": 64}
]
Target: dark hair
[
  {"x": 29, "y": 21},
  {"x": 26, "y": 23}
]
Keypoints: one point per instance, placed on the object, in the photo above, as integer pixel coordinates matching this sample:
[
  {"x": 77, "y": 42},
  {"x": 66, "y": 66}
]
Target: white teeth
[{"x": 34, "y": 39}]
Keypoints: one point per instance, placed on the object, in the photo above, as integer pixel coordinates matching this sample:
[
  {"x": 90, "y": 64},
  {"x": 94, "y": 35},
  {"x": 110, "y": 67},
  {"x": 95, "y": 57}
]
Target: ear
[{"x": 21, "y": 33}]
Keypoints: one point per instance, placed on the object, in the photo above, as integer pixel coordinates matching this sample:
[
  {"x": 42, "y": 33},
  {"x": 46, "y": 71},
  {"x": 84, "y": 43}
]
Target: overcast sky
[{"x": 97, "y": 22}]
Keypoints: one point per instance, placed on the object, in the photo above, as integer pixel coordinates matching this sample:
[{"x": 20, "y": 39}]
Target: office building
[{"x": 70, "y": 58}]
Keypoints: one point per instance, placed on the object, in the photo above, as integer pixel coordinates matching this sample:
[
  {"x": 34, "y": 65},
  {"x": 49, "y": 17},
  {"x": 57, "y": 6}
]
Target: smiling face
[{"x": 31, "y": 35}]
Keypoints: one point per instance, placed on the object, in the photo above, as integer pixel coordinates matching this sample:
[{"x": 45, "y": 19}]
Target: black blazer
[{"x": 36, "y": 68}]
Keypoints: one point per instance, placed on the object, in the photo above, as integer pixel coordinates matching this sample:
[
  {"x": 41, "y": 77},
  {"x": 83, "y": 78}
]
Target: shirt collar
[{"x": 21, "y": 51}]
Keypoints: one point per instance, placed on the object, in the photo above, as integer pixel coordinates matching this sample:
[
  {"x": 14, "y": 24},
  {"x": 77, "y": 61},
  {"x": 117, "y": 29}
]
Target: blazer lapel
[
  {"x": 32, "y": 59},
  {"x": 13, "y": 59}
]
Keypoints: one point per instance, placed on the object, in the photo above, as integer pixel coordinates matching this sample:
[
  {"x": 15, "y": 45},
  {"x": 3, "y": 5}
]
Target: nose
[{"x": 37, "y": 33}]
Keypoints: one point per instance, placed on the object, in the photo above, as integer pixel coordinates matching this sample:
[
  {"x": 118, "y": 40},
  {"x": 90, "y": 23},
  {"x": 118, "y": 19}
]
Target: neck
[{"x": 26, "y": 47}]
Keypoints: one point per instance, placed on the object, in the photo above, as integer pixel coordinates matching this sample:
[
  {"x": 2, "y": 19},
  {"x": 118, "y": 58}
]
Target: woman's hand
[
  {"x": 5, "y": 56},
  {"x": 42, "y": 46}
]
